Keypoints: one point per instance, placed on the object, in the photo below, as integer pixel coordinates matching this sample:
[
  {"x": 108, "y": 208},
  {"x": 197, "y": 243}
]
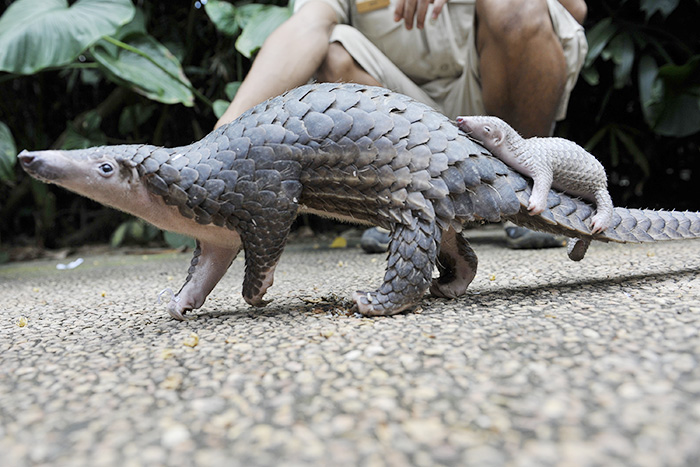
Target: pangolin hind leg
[
  {"x": 456, "y": 264},
  {"x": 412, "y": 255},
  {"x": 263, "y": 242},
  {"x": 209, "y": 264}
]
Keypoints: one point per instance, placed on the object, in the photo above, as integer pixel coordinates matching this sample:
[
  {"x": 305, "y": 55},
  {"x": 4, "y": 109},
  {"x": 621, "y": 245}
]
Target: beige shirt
[{"x": 438, "y": 64}]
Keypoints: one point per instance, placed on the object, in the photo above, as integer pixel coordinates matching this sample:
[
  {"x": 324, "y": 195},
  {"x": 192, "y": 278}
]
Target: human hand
[{"x": 418, "y": 9}]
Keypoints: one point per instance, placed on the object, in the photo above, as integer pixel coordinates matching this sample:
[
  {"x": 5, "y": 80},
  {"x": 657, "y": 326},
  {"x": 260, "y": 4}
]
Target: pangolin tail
[{"x": 571, "y": 217}]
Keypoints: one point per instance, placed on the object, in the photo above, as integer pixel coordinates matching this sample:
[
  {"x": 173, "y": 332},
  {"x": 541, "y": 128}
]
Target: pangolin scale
[{"x": 356, "y": 153}]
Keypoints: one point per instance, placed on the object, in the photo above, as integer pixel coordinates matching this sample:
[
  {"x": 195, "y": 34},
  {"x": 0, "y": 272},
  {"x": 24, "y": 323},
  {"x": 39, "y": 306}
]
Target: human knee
[
  {"x": 513, "y": 20},
  {"x": 336, "y": 65}
]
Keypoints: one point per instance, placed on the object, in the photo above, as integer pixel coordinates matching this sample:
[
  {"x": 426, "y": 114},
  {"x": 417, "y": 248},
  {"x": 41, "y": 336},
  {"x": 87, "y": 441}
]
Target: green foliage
[
  {"x": 259, "y": 21},
  {"x": 95, "y": 72},
  {"x": 253, "y": 21},
  {"x": 135, "y": 231},
  {"x": 146, "y": 67},
  {"x": 637, "y": 106},
  {"x": 177, "y": 241},
  {"x": 38, "y": 34},
  {"x": 669, "y": 93},
  {"x": 223, "y": 15},
  {"x": 8, "y": 152},
  {"x": 670, "y": 96},
  {"x": 221, "y": 105},
  {"x": 84, "y": 134},
  {"x": 89, "y": 72},
  {"x": 140, "y": 232},
  {"x": 133, "y": 116}
]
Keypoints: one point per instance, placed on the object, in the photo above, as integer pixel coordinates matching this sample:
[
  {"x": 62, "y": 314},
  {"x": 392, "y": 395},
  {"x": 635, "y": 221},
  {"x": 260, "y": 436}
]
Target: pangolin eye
[{"x": 106, "y": 169}]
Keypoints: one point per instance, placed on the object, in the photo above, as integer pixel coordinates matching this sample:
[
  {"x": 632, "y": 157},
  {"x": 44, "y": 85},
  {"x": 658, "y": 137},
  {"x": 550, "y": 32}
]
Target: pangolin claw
[
  {"x": 176, "y": 312},
  {"x": 174, "y": 308},
  {"x": 363, "y": 300}
]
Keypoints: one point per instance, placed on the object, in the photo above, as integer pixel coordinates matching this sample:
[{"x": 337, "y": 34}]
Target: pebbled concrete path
[{"x": 545, "y": 362}]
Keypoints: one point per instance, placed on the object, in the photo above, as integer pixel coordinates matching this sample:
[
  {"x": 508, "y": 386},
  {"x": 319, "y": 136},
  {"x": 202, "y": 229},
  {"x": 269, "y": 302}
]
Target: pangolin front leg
[
  {"x": 412, "y": 255},
  {"x": 456, "y": 264},
  {"x": 209, "y": 264},
  {"x": 604, "y": 210},
  {"x": 542, "y": 178}
]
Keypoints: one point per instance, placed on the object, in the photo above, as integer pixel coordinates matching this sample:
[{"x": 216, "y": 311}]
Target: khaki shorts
[{"x": 438, "y": 65}]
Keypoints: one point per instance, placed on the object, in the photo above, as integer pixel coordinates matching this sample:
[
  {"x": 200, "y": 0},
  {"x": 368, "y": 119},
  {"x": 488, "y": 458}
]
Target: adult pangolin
[{"x": 356, "y": 153}]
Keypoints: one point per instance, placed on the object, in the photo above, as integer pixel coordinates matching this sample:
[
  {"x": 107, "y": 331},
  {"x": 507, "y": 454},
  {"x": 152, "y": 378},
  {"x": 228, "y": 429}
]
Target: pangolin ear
[
  {"x": 497, "y": 136},
  {"x": 126, "y": 162}
]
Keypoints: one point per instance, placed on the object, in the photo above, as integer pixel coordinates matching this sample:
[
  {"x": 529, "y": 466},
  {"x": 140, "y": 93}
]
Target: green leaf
[
  {"x": 141, "y": 74},
  {"x": 90, "y": 77},
  {"x": 136, "y": 25},
  {"x": 224, "y": 17},
  {"x": 244, "y": 13},
  {"x": 134, "y": 116},
  {"x": 36, "y": 34},
  {"x": 231, "y": 89},
  {"x": 598, "y": 37},
  {"x": 621, "y": 49},
  {"x": 119, "y": 235},
  {"x": 45, "y": 202},
  {"x": 258, "y": 27},
  {"x": 591, "y": 76},
  {"x": 87, "y": 135},
  {"x": 680, "y": 75},
  {"x": 175, "y": 240},
  {"x": 650, "y": 7},
  {"x": 646, "y": 76},
  {"x": 595, "y": 139},
  {"x": 133, "y": 231},
  {"x": 670, "y": 96},
  {"x": 8, "y": 153},
  {"x": 220, "y": 107},
  {"x": 679, "y": 115}
]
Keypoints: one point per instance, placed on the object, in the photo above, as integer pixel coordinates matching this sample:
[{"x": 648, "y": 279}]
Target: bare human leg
[
  {"x": 523, "y": 69},
  {"x": 339, "y": 66},
  {"x": 289, "y": 58}
]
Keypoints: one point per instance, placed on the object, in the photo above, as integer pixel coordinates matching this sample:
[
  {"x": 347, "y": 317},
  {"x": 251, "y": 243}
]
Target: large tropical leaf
[
  {"x": 86, "y": 135},
  {"x": 140, "y": 73},
  {"x": 256, "y": 28},
  {"x": 621, "y": 51},
  {"x": 8, "y": 153},
  {"x": 36, "y": 34},
  {"x": 598, "y": 37},
  {"x": 670, "y": 96},
  {"x": 650, "y": 7},
  {"x": 223, "y": 15}
]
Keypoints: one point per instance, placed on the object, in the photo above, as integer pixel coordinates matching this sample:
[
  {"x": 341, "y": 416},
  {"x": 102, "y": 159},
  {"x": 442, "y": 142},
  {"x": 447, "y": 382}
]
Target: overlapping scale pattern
[{"x": 368, "y": 154}]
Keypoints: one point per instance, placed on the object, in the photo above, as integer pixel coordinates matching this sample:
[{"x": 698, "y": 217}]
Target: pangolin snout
[
  {"x": 40, "y": 164},
  {"x": 28, "y": 160}
]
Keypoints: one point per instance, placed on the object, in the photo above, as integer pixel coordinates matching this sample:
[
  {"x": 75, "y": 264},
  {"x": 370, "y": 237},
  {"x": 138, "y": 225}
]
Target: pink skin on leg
[
  {"x": 213, "y": 263},
  {"x": 540, "y": 189},
  {"x": 461, "y": 265}
]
